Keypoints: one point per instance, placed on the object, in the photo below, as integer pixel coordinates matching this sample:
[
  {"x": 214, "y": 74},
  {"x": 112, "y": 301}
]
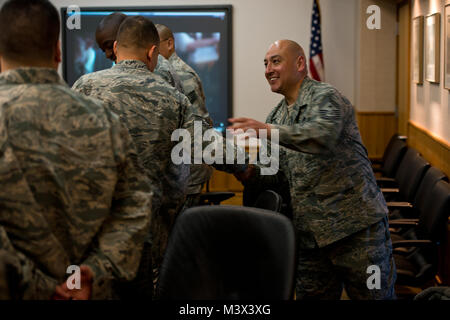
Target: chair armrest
[
  {"x": 403, "y": 222},
  {"x": 390, "y": 190},
  {"x": 399, "y": 205},
  {"x": 412, "y": 243}
]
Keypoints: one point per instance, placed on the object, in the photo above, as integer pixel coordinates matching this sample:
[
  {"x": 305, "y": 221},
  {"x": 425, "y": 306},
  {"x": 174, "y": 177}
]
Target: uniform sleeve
[
  {"x": 118, "y": 248},
  {"x": 20, "y": 278},
  {"x": 196, "y": 122},
  {"x": 318, "y": 134},
  {"x": 21, "y": 217}
]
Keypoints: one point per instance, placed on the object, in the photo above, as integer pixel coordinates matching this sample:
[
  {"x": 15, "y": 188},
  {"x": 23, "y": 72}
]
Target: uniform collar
[
  {"x": 173, "y": 57},
  {"x": 31, "y": 75},
  {"x": 132, "y": 64}
]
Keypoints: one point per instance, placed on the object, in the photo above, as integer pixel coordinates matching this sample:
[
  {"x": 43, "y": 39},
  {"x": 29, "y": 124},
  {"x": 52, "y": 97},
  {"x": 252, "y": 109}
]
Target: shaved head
[
  {"x": 286, "y": 68},
  {"x": 291, "y": 47}
]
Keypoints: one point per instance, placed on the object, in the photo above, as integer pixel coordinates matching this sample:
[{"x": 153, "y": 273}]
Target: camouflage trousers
[{"x": 322, "y": 273}]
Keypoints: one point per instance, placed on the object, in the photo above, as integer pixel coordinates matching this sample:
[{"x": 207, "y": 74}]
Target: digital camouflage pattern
[
  {"x": 193, "y": 89},
  {"x": 317, "y": 276},
  {"x": 152, "y": 110},
  {"x": 166, "y": 71},
  {"x": 332, "y": 186},
  {"x": 72, "y": 191}
]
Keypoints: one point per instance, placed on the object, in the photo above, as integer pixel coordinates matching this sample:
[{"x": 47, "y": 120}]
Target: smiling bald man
[{"x": 338, "y": 210}]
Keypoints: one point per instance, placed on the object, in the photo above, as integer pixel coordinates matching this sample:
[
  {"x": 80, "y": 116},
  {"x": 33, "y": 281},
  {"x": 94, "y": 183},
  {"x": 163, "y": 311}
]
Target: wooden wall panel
[
  {"x": 376, "y": 129},
  {"x": 432, "y": 148}
]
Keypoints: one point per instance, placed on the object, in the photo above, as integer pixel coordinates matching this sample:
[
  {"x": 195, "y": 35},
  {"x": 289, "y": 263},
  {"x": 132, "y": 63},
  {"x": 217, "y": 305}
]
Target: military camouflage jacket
[
  {"x": 70, "y": 191},
  {"x": 166, "y": 71},
  {"x": 332, "y": 187},
  {"x": 152, "y": 110},
  {"x": 193, "y": 89}
]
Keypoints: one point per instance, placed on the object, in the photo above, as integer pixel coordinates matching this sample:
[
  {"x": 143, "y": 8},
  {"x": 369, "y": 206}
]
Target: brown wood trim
[
  {"x": 430, "y": 134},
  {"x": 376, "y": 113}
]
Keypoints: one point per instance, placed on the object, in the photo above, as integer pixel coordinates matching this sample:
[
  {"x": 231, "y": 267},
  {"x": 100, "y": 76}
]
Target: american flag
[{"x": 315, "y": 49}]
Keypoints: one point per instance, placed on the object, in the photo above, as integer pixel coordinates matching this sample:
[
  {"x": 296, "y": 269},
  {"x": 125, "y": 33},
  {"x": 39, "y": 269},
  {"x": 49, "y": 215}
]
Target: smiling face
[{"x": 284, "y": 68}]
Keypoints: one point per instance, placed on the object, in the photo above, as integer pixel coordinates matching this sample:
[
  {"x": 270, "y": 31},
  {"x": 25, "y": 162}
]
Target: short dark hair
[
  {"x": 164, "y": 31},
  {"x": 137, "y": 32},
  {"x": 112, "y": 22},
  {"x": 29, "y": 30}
]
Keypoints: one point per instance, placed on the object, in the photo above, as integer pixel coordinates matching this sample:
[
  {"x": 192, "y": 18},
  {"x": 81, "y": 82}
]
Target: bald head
[
  {"x": 285, "y": 63},
  {"x": 290, "y": 47},
  {"x": 106, "y": 33}
]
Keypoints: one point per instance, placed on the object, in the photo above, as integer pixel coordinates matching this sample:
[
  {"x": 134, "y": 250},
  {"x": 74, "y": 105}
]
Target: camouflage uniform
[
  {"x": 165, "y": 70},
  {"x": 333, "y": 192},
  {"x": 152, "y": 110},
  {"x": 193, "y": 89},
  {"x": 72, "y": 191}
]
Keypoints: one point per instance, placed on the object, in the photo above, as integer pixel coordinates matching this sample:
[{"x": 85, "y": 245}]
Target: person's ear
[
  {"x": 170, "y": 44},
  {"x": 301, "y": 63},
  {"x": 57, "y": 57},
  {"x": 151, "y": 52},
  {"x": 115, "y": 48}
]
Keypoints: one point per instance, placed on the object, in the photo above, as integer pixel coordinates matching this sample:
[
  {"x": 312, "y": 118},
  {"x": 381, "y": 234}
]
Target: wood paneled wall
[
  {"x": 432, "y": 148},
  {"x": 376, "y": 129}
]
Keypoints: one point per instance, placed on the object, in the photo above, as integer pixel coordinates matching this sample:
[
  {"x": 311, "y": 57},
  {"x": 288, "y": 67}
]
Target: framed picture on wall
[
  {"x": 418, "y": 50},
  {"x": 432, "y": 47},
  {"x": 447, "y": 48}
]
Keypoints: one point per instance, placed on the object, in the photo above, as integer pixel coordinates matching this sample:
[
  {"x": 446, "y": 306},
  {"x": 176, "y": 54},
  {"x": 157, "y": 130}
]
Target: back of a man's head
[
  {"x": 164, "y": 32},
  {"x": 29, "y": 30},
  {"x": 136, "y": 33}
]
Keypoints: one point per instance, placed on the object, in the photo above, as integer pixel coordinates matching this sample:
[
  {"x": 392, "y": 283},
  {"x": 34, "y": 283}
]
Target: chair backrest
[
  {"x": 390, "y": 145},
  {"x": 432, "y": 176},
  {"x": 410, "y": 173},
  {"x": 228, "y": 252},
  {"x": 269, "y": 200},
  {"x": 435, "y": 210},
  {"x": 393, "y": 157}
]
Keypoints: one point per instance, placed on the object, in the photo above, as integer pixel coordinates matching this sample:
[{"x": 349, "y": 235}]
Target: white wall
[
  {"x": 256, "y": 24},
  {"x": 430, "y": 103}
]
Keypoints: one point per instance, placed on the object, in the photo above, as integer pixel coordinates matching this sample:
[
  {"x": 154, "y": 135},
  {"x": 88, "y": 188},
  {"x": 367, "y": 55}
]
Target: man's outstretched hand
[
  {"x": 62, "y": 292},
  {"x": 247, "y": 123}
]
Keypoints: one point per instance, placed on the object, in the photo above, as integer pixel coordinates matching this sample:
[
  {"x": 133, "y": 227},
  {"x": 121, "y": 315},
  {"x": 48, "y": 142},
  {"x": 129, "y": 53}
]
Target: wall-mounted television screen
[{"x": 190, "y": 25}]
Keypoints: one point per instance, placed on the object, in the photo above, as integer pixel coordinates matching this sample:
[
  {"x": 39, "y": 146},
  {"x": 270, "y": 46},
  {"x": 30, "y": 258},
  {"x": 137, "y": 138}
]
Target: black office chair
[
  {"x": 228, "y": 253},
  {"x": 416, "y": 250},
  {"x": 399, "y": 210},
  {"x": 392, "y": 158},
  {"x": 407, "y": 178},
  {"x": 377, "y": 164},
  {"x": 269, "y": 200}
]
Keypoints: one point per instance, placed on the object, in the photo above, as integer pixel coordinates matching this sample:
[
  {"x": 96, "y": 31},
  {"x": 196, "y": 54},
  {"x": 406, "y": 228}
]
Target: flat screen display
[{"x": 202, "y": 39}]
